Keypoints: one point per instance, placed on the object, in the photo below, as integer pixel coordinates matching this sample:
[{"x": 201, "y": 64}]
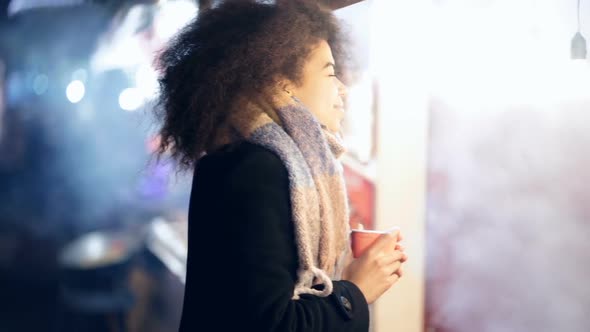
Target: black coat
[{"x": 242, "y": 257}]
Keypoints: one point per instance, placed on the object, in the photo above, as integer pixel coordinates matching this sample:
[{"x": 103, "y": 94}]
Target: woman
[{"x": 251, "y": 100}]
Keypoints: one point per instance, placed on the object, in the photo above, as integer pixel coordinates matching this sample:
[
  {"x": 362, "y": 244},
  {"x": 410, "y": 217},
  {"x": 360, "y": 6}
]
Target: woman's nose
[{"x": 342, "y": 89}]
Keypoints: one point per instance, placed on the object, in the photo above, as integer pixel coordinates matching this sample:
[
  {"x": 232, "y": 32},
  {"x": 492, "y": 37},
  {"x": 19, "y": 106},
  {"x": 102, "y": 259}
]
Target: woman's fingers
[
  {"x": 392, "y": 279},
  {"x": 388, "y": 267},
  {"x": 392, "y": 263},
  {"x": 388, "y": 259},
  {"x": 383, "y": 241},
  {"x": 394, "y": 267},
  {"x": 404, "y": 258}
]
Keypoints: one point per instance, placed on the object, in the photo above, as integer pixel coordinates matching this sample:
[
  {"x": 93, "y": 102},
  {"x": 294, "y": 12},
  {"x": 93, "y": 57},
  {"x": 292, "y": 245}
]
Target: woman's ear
[{"x": 287, "y": 87}]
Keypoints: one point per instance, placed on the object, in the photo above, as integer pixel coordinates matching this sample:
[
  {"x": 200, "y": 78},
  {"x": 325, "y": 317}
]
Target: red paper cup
[{"x": 362, "y": 239}]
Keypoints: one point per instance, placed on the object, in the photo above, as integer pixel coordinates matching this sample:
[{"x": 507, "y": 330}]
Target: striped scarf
[{"x": 318, "y": 196}]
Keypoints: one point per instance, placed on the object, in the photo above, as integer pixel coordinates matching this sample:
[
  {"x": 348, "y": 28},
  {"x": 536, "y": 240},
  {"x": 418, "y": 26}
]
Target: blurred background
[
  {"x": 467, "y": 126},
  {"x": 83, "y": 203}
]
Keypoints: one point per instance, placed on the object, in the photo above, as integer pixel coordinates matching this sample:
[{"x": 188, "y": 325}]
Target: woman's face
[{"x": 320, "y": 90}]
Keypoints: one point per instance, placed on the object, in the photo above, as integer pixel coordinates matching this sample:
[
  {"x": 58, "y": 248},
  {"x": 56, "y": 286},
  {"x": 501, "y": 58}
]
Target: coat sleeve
[{"x": 255, "y": 194}]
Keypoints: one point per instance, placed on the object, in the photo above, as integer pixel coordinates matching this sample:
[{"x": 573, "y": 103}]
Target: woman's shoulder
[
  {"x": 244, "y": 173},
  {"x": 242, "y": 159}
]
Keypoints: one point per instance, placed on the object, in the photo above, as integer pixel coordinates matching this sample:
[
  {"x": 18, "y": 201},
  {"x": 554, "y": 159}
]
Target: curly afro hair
[{"x": 239, "y": 47}]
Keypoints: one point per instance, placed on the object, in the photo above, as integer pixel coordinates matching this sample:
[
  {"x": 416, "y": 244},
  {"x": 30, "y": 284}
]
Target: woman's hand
[{"x": 378, "y": 268}]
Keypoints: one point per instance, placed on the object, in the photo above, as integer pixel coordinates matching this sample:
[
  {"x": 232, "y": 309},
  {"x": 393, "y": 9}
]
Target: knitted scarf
[{"x": 317, "y": 192}]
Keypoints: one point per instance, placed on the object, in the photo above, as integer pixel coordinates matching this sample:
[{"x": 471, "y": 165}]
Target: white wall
[{"x": 398, "y": 55}]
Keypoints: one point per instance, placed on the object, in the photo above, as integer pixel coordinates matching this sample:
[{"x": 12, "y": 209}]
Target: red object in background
[{"x": 361, "y": 197}]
